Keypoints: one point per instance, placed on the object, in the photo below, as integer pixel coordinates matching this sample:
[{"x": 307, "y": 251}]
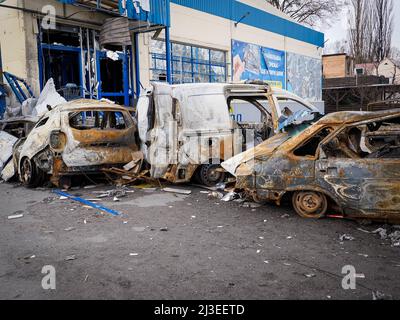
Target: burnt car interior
[
  {"x": 374, "y": 140},
  {"x": 88, "y": 120},
  {"x": 310, "y": 147},
  {"x": 263, "y": 128}
]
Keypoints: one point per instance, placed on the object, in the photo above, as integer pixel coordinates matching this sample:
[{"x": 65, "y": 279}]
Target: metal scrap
[
  {"x": 346, "y": 237},
  {"x": 179, "y": 191},
  {"x": 88, "y": 203}
]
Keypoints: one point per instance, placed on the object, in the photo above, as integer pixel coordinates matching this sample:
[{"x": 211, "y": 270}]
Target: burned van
[{"x": 187, "y": 130}]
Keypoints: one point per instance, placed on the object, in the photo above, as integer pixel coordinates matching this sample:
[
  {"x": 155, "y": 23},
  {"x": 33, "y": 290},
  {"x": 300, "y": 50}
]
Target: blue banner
[{"x": 253, "y": 62}]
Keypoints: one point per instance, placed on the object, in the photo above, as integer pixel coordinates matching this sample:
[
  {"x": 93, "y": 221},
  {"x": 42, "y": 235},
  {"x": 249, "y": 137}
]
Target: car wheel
[
  {"x": 310, "y": 204},
  {"x": 210, "y": 175},
  {"x": 31, "y": 175}
]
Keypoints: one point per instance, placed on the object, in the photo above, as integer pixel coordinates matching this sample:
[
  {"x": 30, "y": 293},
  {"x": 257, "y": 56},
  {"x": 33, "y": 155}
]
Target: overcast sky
[{"x": 338, "y": 29}]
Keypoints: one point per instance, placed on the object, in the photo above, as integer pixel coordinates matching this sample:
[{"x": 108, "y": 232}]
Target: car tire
[
  {"x": 31, "y": 176},
  {"x": 208, "y": 175},
  {"x": 310, "y": 204}
]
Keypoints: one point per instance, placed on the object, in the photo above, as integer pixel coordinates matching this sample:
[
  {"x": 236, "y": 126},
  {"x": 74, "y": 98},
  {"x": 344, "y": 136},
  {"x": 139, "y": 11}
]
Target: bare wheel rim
[
  {"x": 210, "y": 174},
  {"x": 310, "y": 204},
  {"x": 26, "y": 170}
]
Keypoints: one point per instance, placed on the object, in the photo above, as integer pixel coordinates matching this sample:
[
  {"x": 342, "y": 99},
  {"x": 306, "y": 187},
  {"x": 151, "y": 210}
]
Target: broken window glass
[
  {"x": 98, "y": 120},
  {"x": 309, "y": 149}
]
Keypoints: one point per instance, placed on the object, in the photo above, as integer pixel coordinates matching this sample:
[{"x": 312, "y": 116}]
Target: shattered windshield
[{"x": 295, "y": 113}]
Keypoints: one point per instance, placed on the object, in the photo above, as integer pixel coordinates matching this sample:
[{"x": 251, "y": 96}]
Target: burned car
[
  {"x": 75, "y": 138},
  {"x": 348, "y": 159},
  {"x": 187, "y": 130}
]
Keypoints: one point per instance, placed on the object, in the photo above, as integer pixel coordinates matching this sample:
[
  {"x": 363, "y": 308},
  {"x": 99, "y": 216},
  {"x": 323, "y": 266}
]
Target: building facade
[
  {"x": 180, "y": 41},
  {"x": 338, "y": 65}
]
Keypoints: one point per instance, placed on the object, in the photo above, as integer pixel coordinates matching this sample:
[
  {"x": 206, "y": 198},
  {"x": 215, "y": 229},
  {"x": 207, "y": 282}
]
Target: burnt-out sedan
[
  {"x": 76, "y": 138},
  {"x": 350, "y": 160}
]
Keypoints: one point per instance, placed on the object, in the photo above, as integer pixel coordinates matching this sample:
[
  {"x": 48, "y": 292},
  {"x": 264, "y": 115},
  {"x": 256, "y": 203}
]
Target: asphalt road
[{"x": 168, "y": 246}]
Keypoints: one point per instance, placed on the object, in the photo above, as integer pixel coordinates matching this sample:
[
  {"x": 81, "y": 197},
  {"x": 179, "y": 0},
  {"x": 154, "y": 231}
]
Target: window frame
[{"x": 194, "y": 61}]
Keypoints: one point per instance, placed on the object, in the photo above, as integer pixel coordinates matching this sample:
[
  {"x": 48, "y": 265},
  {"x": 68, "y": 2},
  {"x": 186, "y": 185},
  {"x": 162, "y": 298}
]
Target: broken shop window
[{"x": 89, "y": 120}]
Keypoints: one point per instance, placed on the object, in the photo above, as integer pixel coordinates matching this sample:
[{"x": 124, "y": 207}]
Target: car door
[
  {"x": 362, "y": 185},
  {"x": 294, "y": 162}
]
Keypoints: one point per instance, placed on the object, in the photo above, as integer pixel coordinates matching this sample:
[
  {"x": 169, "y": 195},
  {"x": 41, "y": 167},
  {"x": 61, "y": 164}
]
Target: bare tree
[
  {"x": 360, "y": 33},
  {"x": 370, "y": 30},
  {"x": 339, "y": 46},
  {"x": 383, "y": 28},
  {"x": 309, "y": 12}
]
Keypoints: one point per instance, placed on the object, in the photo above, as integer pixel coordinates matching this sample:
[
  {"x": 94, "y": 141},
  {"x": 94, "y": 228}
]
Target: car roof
[
  {"x": 356, "y": 116},
  {"x": 206, "y": 88},
  {"x": 83, "y": 104}
]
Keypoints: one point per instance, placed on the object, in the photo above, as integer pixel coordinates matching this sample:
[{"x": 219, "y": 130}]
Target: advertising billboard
[{"x": 254, "y": 62}]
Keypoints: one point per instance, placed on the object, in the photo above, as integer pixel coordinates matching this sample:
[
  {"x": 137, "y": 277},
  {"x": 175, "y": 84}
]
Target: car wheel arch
[{"x": 332, "y": 198}]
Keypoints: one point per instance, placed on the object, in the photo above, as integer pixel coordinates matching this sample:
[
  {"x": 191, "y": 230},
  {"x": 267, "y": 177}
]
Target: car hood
[{"x": 264, "y": 149}]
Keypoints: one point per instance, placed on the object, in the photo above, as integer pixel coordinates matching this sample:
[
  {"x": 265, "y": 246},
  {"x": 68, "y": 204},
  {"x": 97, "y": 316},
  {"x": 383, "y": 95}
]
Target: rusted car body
[
  {"x": 188, "y": 130},
  {"x": 348, "y": 159},
  {"x": 79, "y": 137}
]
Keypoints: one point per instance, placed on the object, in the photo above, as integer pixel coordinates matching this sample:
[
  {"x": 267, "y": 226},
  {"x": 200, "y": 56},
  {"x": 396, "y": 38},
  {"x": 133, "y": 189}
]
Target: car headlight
[{"x": 57, "y": 140}]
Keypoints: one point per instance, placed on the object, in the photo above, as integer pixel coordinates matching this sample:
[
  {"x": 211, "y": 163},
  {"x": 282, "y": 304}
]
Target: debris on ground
[
  {"x": 382, "y": 233},
  {"x": 87, "y": 203},
  {"x": 377, "y": 295},
  {"x": 16, "y": 216},
  {"x": 220, "y": 186},
  {"x": 131, "y": 173},
  {"x": 394, "y": 236},
  {"x": 216, "y": 195},
  {"x": 92, "y": 186},
  {"x": 179, "y": 191},
  {"x": 230, "y": 196},
  {"x": 346, "y": 237},
  {"x": 252, "y": 205}
]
